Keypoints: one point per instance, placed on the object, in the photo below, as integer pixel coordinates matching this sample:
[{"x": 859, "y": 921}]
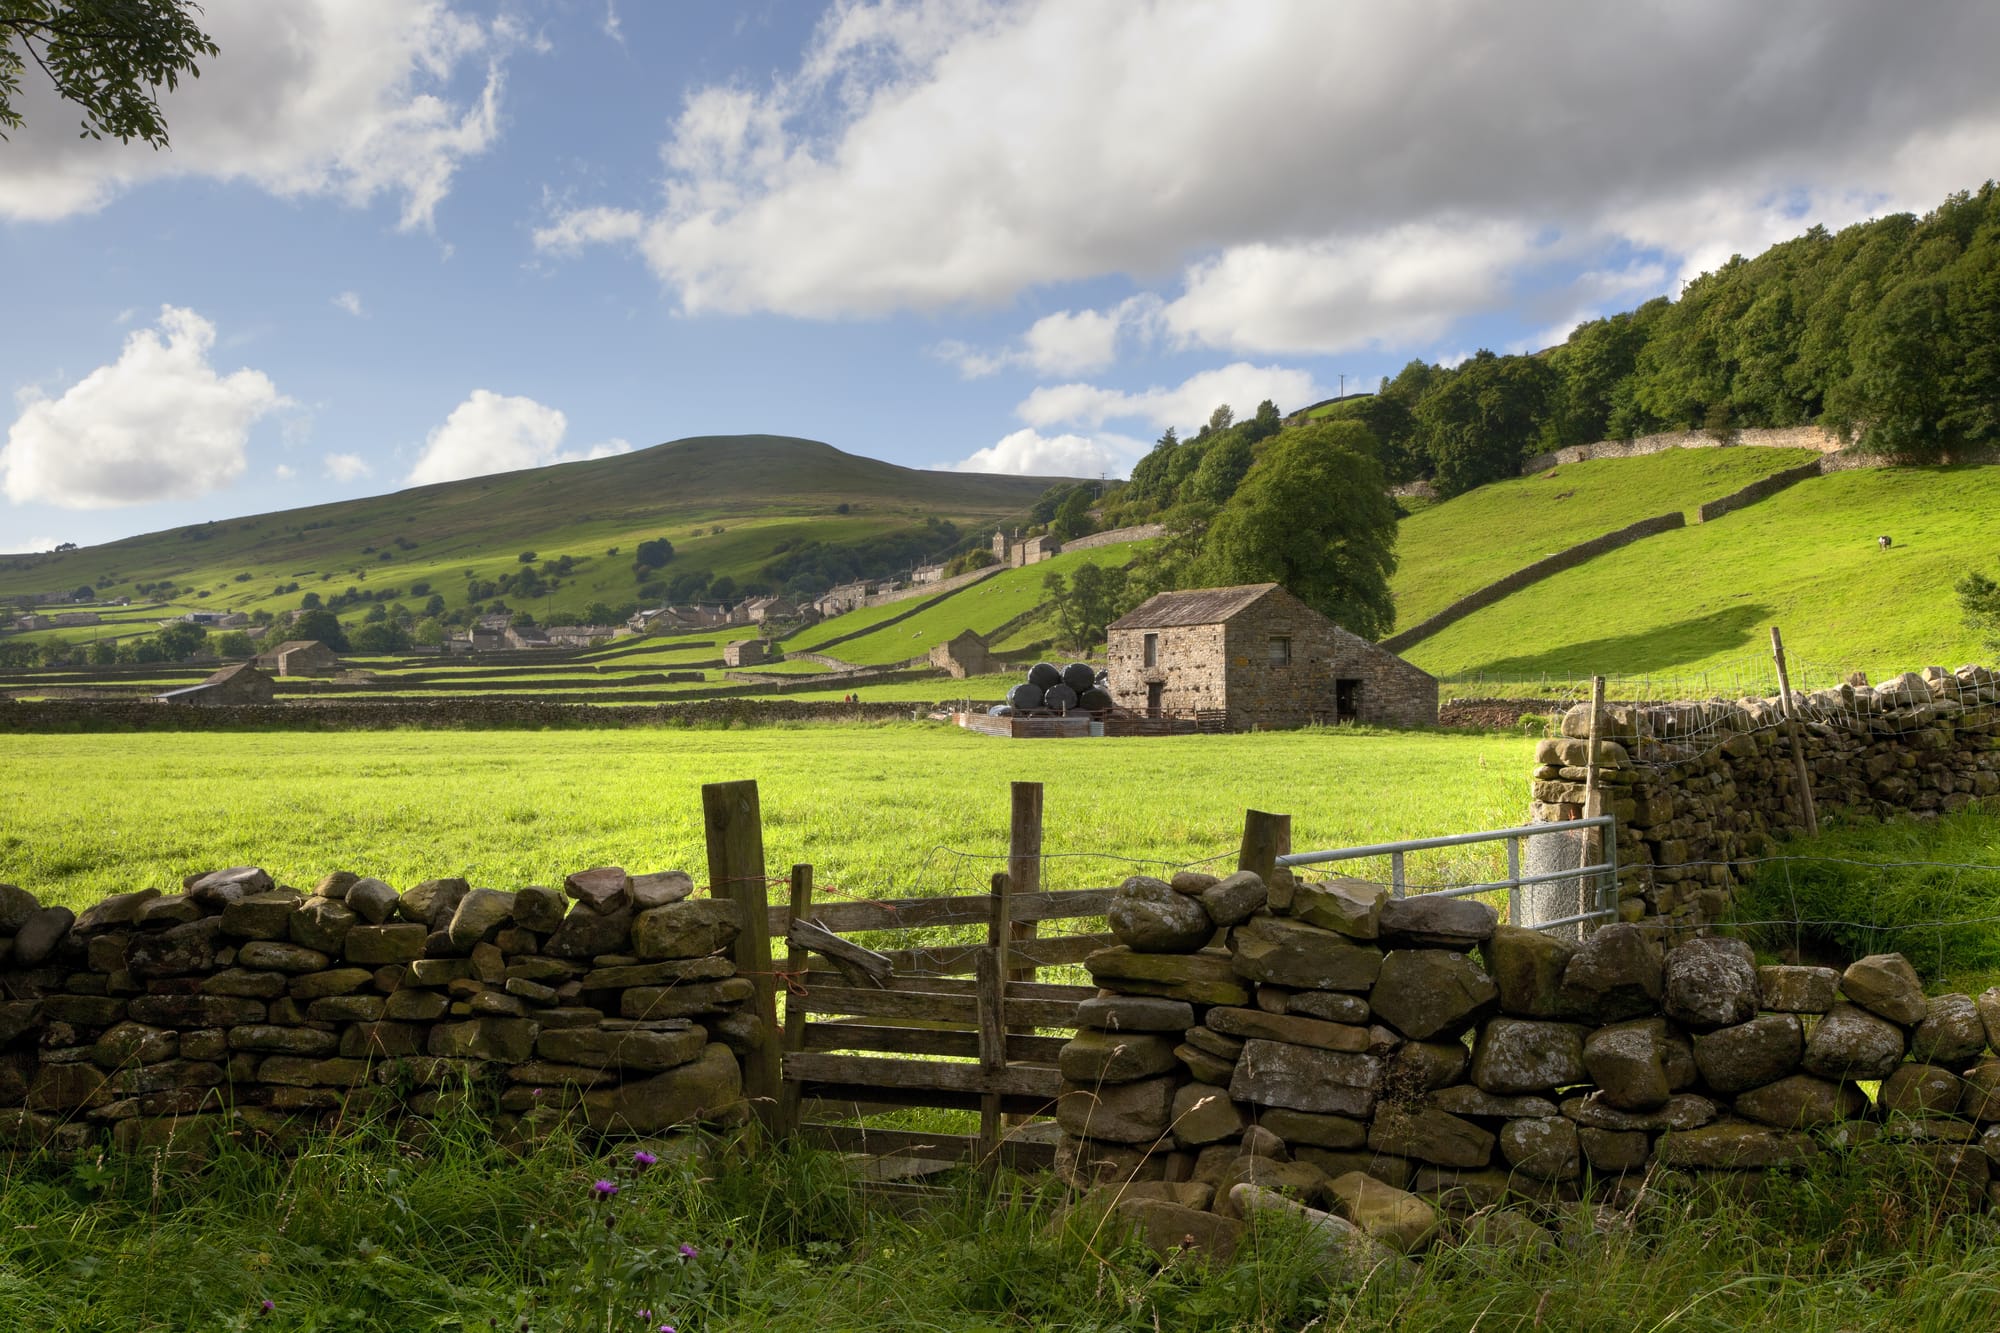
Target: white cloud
[
  {"x": 347, "y": 467},
  {"x": 613, "y": 27},
  {"x": 1029, "y": 453},
  {"x": 1069, "y": 342},
  {"x": 284, "y": 472},
  {"x": 348, "y": 98},
  {"x": 350, "y": 302},
  {"x": 156, "y": 424},
  {"x": 490, "y": 432},
  {"x": 1241, "y": 385},
  {"x": 932, "y": 153},
  {"x": 610, "y": 448},
  {"x": 36, "y": 545}
]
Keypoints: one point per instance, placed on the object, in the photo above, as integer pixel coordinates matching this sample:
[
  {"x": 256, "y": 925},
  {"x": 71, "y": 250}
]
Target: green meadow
[
  {"x": 903, "y": 808},
  {"x": 1703, "y": 598}
]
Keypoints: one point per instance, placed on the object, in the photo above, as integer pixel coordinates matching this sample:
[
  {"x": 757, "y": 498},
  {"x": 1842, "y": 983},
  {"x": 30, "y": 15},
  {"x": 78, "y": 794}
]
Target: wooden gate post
[
  {"x": 795, "y": 1014},
  {"x": 733, "y": 820},
  {"x": 1797, "y": 734},
  {"x": 1266, "y": 837},
  {"x": 1024, "y": 862}
]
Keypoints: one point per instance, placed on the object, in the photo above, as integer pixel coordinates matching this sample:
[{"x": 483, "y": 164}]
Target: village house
[
  {"x": 33, "y": 622},
  {"x": 239, "y": 684},
  {"x": 1262, "y": 658},
  {"x": 298, "y": 657},
  {"x": 486, "y": 638},
  {"x": 743, "y": 653},
  {"x": 763, "y": 610},
  {"x": 526, "y": 636},
  {"x": 1017, "y": 552},
  {"x": 90, "y": 618},
  {"x": 580, "y": 636}
]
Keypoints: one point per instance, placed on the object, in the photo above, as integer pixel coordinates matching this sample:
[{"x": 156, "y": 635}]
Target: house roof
[
  {"x": 291, "y": 645},
  {"x": 1195, "y": 606}
]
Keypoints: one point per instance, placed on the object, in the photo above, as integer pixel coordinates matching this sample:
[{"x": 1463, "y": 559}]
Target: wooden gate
[{"x": 940, "y": 1007}]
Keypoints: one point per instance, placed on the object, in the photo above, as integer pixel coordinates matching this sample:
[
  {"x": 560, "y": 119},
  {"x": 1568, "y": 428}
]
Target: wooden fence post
[
  {"x": 795, "y": 1015},
  {"x": 733, "y": 820},
  {"x": 1266, "y": 837},
  {"x": 1024, "y": 862},
  {"x": 991, "y": 978},
  {"x": 1797, "y": 734}
]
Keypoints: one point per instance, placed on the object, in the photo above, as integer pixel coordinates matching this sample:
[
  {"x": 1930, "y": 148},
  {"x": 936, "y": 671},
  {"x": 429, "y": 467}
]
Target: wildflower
[
  {"x": 643, "y": 1159},
  {"x": 604, "y": 1189},
  {"x": 646, "y": 1316},
  {"x": 688, "y": 1251},
  {"x": 266, "y": 1305}
]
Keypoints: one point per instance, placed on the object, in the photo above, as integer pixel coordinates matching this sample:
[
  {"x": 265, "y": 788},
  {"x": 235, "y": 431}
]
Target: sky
[{"x": 397, "y": 242}]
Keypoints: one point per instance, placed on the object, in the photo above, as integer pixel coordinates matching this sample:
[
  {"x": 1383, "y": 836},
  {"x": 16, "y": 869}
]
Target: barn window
[
  {"x": 1281, "y": 650},
  {"x": 1152, "y": 650}
]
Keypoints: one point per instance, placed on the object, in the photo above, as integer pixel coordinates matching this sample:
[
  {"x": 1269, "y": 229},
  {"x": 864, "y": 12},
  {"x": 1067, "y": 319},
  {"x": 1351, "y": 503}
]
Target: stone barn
[
  {"x": 239, "y": 684},
  {"x": 965, "y": 655},
  {"x": 743, "y": 653},
  {"x": 1263, "y": 658},
  {"x": 298, "y": 657}
]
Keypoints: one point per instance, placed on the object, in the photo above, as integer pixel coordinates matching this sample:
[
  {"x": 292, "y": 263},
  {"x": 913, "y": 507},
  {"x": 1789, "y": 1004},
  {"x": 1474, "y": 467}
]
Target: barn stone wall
[
  {"x": 1188, "y": 663},
  {"x": 239, "y": 1005},
  {"x": 1699, "y": 788},
  {"x": 1302, "y": 692},
  {"x": 1397, "y": 1068}
]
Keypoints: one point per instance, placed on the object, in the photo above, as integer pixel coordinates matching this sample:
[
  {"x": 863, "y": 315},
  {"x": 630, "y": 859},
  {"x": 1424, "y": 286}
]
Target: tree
[
  {"x": 429, "y": 632},
  {"x": 1222, "y": 468},
  {"x": 1477, "y": 421},
  {"x": 323, "y": 626},
  {"x": 653, "y": 554},
  {"x": 1086, "y": 603},
  {"x": 232, "y": 645},
  {"x": 381, "y": 638},
  {"x": 180, "y": 640},
  {"x": 108, "y": 57},
  {"x": 1315, "y": 516},
  {"x": 1072, "y": 520},
  {"x": 309, "y": 602},
  {"x": 1979, "y": 601}
]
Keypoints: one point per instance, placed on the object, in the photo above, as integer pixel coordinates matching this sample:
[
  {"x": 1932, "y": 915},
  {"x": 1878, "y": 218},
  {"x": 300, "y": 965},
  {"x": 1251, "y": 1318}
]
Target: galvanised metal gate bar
[{"x": 1606, "y": 870}]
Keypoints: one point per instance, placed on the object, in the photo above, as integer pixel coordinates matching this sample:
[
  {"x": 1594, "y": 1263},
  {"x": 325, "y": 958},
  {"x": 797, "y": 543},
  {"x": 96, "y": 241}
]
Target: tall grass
[{"x": 375, "y": 1228}]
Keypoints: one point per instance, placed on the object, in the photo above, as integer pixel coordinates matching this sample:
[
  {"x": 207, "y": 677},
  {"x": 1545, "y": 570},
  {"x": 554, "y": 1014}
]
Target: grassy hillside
[
  {"x": 761, "y": 491},
  {"x": 1805, "y": 560},
  {"x": 982, "y": 607},
  {"x": 1448, "y": 550}
]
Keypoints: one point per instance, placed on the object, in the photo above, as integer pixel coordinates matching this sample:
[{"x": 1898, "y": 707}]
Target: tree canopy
[
  {"x": 1312, "y": 514},
  {"x": 110, "y": 58}
]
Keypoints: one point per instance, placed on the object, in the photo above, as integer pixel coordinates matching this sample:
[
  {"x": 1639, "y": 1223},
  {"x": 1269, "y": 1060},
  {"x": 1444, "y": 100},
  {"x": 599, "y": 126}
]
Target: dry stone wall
[
  {"x": 1698, "y": 788},
  {"x": 240, "y": 1005},
  {"x": 456, "y": 714},
  {"x": 1396, "y": 1067}
]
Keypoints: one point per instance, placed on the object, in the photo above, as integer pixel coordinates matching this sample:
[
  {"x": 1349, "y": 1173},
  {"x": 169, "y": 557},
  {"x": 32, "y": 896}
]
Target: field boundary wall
[
  {"x": 458, "y": 714},
  {"x": 1702, "y": 789},
  {"x": 241, "y": 1006},
  {"x": 1761, "y": 489},
  {"x": 1140, "y": 532},
  {"x": 1530, "y": 574},
  {"x": 1781, "y": 437}
]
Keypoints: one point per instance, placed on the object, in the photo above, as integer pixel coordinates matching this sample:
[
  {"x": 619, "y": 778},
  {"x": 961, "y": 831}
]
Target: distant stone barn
[
  {"x": 1263, "y": 658},
  {"x": 965, "y": 655},
  {"x": 239, "y": 684}
]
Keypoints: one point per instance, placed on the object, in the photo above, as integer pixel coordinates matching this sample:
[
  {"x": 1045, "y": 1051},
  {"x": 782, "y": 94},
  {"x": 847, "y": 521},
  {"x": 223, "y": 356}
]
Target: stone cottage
[
  {"x": 298, "y": 657},
  {"x": 1263, "y": 658},
  {"x": 743, "y": 653},
  {"x": 239, "y": 684}
]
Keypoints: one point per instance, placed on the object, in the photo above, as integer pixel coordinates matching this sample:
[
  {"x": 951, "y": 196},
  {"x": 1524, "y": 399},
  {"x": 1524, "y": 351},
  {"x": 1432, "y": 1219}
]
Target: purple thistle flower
[
  {"x": 688, "y": 1251},
  {"x": 646, "y": 1315},
  {"x": 266, "y": 1305},
  {"x": 604, "y": 1189}
]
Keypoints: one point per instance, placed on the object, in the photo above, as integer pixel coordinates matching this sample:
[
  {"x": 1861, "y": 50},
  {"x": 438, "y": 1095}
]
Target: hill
[
  {"x": 1448, "y": 550},
  {"x": 728, "y": 504},
  {"x": 1701, "y": 598}
]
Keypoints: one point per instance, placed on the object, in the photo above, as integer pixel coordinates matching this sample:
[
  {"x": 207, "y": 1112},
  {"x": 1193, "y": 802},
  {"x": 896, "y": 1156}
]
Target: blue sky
[{"x": 406, "y": 240}]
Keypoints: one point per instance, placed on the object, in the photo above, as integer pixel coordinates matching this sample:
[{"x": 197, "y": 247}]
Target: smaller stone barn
[
  {"x": 239, "y": 684},
  {"x": 743, "y": 653},
  {"x": 298, "y": 657},
  {"x": 965, "y": 655},
  {"x": 1261, "y": 658}
]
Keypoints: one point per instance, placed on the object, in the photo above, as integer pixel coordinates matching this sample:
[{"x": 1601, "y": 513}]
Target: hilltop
[{"x": 728, "y": 505}]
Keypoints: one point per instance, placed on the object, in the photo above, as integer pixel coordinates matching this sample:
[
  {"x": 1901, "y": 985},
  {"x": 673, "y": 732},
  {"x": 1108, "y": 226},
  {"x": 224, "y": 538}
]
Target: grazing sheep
[{"x": 1883, "y": 542}]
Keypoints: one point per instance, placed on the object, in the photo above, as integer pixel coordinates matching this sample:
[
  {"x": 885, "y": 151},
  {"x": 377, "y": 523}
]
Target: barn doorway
[
  {"x": 1155, "y": 694},
  {"x": 1347, "y": 701}
]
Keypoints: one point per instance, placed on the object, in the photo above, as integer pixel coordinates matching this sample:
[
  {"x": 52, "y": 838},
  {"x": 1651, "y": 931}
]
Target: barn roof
[
  {"x": 290, "y": 645},
  {"x": 1195, "y": 606}
]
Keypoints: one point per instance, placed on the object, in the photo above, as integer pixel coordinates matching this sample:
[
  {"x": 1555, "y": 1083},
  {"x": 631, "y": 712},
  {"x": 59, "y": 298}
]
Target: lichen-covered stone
[
  {"x": 322, "y": 924},
  {"x": 1234, "y": 898},
  {"x": 708, "y": 1086},
  {"x": 1886, "y": 984},
  {"x": 1790, "y": 989},
  {"x": 373, "y": 900},
  {"x": 1546, "y": 1148},
  {"x": 1436, "y": 921},
  {"x": 510, "y": 1040},
  {"x": 1711, "y": 983},
  {"x": 1615, "y": 974},
  {"x": 1351, "y": 907},
  {"x": 1735, "y": 1145},
  {"x": 1135, "y": 1013},
  {"x": 1093, "y": 1057},
  {"x": 1852, "y": 1043},
  {"x": 1748, "y": 1055},
  {"x": 1684, "y": 1110},
  {"x": 1303, "y": 1078},
  {"x": 376, "y": 946},
  {"x": 1244, "y": 1024},
  {"x": 1147, "y": 916},
  {"x": 1517, "y": 1055},
  {"x": 1918, "y": 1089},
  {"x": 1426, "y": 993},
  {"x": 1311, "y": 1129},
  {"x": 1138, "y": 1112},
  {"x": 1292, "y": 953},
  {"x": 1527, "y": 966},
  {"x": 1394, "y": 1217},
  {"x": 539, "y": 909},
  {"x": 689, "y": 929},
  {"x": 604, "y": 889},
  {"x": 646, "y": 1050},
  {"x": 42, "y": 934},
  {"x": 1430, "y": 1135},
  {"x": 1951, "y": 1032},
  {"x": 1203, "y": 1113},
  {"x": 585, "y": 933},
  {"x": 1199, "y": 978},
  {"x": 1801, "y": 1101}
]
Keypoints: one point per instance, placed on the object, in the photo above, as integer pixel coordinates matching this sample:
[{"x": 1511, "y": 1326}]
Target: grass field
[
  {"x": 982, "y": 607},
  {"x": 1701, "y": 598},
  {"x": 1447, "y": 550},
  {"x": 906, "y": 808}
]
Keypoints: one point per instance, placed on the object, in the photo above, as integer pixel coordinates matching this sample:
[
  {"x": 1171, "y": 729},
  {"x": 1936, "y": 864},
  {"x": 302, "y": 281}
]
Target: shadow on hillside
[{"x": 1636, "y": 654}]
